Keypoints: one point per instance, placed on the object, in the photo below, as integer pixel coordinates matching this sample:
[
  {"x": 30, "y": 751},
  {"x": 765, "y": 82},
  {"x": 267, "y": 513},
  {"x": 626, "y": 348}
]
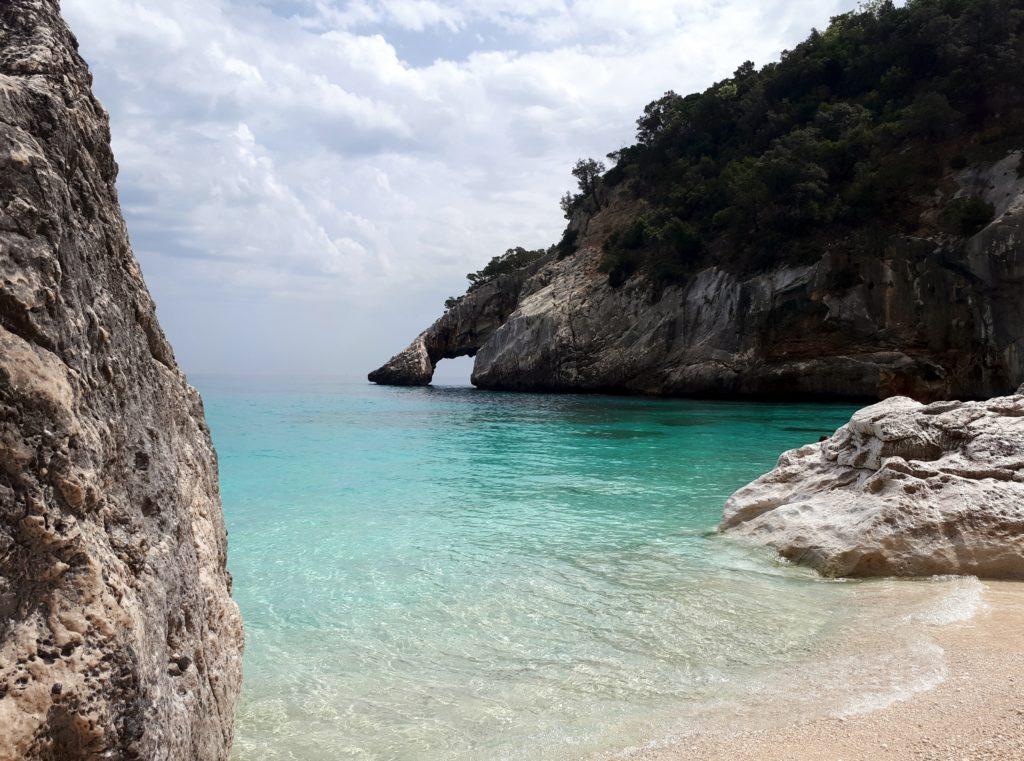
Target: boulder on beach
[{"x": 903, "y": 489}]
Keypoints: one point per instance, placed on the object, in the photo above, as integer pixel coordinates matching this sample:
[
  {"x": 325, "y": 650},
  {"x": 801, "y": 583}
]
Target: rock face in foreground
[
  {"x": 118, "y": 635},
  {"x": 931, "y": 318},
  {"x": 903, "y": 489}
]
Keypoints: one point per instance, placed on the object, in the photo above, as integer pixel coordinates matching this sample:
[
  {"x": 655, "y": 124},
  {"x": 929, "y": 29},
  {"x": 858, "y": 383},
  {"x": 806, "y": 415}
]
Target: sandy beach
[{"x": 976, "y": 713}]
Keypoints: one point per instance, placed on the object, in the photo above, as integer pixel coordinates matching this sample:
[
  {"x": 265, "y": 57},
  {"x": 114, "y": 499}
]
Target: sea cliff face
[
  {"x": 118, "y": 635},
  {"x": 903, "y": 489},
  {"x": 931, "y": 318}
]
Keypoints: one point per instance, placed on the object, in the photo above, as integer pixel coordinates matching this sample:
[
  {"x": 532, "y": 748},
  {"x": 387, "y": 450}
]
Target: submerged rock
[
  {"x": 903, "y": 489},
  {"x": 118, "y": 635}
]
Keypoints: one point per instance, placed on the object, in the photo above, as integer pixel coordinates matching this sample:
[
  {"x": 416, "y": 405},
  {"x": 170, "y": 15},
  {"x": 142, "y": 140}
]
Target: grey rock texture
[
  {"x": 118, "y": 635},
  {"x": 461, "y": 331},
  {"x": 931, "y": 318},
  {"x": 903, "y": 489}
]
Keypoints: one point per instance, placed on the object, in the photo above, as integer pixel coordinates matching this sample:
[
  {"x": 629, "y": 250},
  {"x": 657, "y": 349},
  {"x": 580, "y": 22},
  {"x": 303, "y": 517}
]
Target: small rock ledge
[{"x": 903, "y": 489}]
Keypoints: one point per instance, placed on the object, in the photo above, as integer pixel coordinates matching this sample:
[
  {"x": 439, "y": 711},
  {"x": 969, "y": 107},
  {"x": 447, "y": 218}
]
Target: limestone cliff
[
  {"x": 902, "y": 490},
  {"x": 461, "y": 331},
  {"x": 118, "y": 635},
  {"x": 933, "y": 318}
]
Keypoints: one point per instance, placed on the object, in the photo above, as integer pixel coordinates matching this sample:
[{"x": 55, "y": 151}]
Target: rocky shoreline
[{"x": 118, "y": 635}]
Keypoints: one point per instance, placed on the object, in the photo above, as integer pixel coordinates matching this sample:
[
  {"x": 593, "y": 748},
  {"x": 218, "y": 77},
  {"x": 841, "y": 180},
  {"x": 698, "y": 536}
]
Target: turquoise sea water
[{"x": 445, "y": 573}]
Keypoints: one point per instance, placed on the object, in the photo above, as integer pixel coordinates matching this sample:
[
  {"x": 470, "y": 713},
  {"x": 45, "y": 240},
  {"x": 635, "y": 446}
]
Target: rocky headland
[
  {"x": 903, "y": 489},
  {"x": 931, "y": 318},
  {"x": 845, "y": 222},
  {"x": 118, "y": 635}
]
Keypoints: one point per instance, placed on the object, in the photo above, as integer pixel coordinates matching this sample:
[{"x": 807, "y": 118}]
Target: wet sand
[{"x": 976, "y": 713}]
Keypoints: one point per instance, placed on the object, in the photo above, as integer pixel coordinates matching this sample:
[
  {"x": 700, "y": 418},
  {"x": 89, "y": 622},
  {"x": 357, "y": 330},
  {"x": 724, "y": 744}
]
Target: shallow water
[{"x": 445, "y": 573}]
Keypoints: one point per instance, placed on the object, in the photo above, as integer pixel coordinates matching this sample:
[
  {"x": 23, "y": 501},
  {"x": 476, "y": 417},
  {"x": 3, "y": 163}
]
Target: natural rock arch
[{"x": 459, "y": 332}]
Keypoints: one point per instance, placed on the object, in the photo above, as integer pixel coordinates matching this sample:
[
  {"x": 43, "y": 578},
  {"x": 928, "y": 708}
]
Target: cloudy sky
[{"x": 305, "y": 181}]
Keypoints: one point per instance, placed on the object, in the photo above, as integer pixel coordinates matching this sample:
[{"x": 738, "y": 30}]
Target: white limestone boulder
[{"x": 903, "y": 489}]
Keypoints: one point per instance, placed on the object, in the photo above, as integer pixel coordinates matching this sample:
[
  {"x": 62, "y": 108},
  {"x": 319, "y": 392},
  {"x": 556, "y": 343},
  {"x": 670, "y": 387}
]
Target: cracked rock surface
[
  {"x": 118, "y": 635},
  {"x": 903, "y": 489}
]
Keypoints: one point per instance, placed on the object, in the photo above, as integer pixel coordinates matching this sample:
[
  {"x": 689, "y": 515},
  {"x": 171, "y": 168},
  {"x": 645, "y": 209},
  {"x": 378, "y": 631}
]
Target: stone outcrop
[
  {"x": 118, "y": 635},
  {"x": 903, "y": 489},
  {"x": 460, "y": 332},
  {"x": 931, "y": 318}
]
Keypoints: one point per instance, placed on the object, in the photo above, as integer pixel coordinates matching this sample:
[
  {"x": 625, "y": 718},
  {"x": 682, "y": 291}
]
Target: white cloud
[
  {"x": 287, "y": 154},
  {"x": 417, "y": 15}
]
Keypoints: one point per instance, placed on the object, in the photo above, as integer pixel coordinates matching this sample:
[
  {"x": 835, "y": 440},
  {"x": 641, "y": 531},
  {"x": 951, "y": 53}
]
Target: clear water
[{"x": 445, "y": 573}]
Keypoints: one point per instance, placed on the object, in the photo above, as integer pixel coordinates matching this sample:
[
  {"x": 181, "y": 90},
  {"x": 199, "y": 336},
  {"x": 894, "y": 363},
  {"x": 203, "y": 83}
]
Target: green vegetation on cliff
[
  {"x": 512, "y": 260},
  {"x": 840, "y": 143}
]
